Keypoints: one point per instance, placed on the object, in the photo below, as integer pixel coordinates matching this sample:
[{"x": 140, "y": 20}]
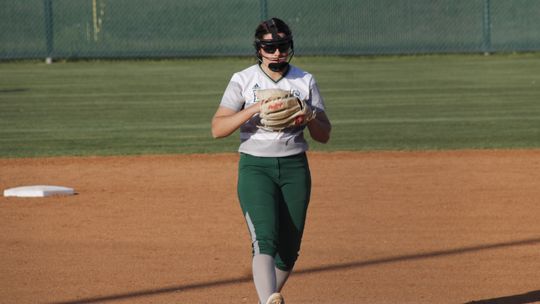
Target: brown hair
[{"x": 272, "y": 26}]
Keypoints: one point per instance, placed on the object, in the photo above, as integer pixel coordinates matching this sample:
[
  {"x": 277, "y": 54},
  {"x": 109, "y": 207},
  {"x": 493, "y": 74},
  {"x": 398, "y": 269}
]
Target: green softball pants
[{"x": 274, "y": 194}]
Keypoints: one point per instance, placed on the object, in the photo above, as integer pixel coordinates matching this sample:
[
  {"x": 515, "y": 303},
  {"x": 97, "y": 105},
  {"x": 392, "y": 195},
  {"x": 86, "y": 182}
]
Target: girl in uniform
[{"x": 274, "y": 181}]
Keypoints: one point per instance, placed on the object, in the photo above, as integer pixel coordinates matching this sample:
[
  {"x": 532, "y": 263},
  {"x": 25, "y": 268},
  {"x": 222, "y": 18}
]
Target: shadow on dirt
[
  {"x": 516, "y": 299},
  {"x": 529, "y": 297}
]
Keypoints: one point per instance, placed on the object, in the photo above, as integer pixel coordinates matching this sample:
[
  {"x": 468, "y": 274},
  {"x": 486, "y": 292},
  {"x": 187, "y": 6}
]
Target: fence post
[
  {"x": 264, "y": 9},
  {"x": 48, "y": 13},
  {"x": 486, "y": 29}
]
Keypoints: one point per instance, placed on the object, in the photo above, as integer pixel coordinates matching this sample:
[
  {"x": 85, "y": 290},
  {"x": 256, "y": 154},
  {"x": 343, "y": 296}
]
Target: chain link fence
[{"x": 185, "y": 28}]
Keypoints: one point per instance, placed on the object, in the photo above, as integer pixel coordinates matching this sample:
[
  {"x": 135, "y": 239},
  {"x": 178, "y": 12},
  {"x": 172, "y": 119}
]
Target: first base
[{"x": 38, "y": 191}]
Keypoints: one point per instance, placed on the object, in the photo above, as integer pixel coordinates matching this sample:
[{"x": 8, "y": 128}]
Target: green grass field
[{"x": 374, "y": 103}]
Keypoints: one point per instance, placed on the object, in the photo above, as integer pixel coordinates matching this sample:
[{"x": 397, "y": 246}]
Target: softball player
[{"x": 274, "y": 181}]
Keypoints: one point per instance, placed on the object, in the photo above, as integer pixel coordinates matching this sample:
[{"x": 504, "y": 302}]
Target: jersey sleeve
[
  {"x": 233, "y": 97},
  {"x": 316, "y": 99}
]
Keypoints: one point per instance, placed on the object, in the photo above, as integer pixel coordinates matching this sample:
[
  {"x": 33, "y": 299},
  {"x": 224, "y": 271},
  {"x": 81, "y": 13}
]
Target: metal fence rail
[{"x": 172, "y": 28}]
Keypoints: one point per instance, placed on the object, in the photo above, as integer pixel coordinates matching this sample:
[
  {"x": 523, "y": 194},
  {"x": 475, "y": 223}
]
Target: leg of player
[
  {"x": 281, "y": 278},
  {"x": 264, "y": 276}
]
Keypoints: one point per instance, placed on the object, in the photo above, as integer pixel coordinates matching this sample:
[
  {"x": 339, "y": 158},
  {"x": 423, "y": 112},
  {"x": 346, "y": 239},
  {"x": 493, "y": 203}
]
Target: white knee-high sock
[
  {"x": 264, "y": 276},
  {"x": 281, "y": 278}
]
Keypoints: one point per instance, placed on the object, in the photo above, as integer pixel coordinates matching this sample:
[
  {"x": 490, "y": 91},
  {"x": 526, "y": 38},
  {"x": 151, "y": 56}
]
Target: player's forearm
[
  {"x": 319, "y": 128},
  {"x": 224, "y": 124}
]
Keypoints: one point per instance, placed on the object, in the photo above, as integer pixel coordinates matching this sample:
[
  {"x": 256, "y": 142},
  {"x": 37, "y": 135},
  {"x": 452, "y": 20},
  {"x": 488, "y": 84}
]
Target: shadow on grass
[
  {"x": 17, "y": 90},
  {"x": 334, "y": 267}
]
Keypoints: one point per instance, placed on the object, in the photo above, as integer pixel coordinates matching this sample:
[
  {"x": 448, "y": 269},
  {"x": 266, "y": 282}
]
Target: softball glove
[{"x": 280, "y": 109}]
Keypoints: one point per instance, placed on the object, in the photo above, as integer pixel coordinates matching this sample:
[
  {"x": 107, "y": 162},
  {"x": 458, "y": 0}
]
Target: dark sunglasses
[{"x": 271, "y": 48}]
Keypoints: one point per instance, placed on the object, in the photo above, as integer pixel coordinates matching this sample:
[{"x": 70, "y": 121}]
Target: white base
[{"x": 38, "y": 191}]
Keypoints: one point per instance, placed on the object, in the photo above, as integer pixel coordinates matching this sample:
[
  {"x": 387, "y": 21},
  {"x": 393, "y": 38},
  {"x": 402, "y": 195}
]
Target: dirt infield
[{"x": 388, "y": 227}]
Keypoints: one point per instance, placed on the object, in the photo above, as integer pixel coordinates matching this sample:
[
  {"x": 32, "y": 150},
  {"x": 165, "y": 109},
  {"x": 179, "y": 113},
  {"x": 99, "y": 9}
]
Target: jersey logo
[{"x": 255, "y": 88}]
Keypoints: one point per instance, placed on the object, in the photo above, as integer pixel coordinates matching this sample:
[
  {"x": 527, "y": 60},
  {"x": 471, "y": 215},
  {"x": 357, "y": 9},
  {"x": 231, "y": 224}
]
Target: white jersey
[{"x": 240, "y": 93}]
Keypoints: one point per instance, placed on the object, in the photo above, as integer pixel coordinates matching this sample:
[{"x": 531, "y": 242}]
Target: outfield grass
[{"x": 378, "y": 103}]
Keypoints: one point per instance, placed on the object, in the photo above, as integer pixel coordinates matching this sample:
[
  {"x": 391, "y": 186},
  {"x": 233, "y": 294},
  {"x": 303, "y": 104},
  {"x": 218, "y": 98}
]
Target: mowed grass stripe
[{"x": 375, "y": 103}]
